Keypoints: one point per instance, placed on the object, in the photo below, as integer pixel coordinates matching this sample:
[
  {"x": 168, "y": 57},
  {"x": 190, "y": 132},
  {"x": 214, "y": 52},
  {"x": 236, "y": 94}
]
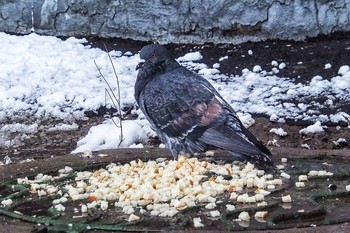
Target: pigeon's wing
[{"x": 178, "y": 111}]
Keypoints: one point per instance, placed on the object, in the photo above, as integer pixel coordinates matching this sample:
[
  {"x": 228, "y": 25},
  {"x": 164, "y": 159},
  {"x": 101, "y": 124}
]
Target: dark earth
[{"x": 304, "y": 60}]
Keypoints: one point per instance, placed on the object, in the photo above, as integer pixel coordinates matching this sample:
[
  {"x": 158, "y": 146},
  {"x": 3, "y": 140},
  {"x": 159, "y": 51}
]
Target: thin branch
[
  {"x": 109, "y": 91},
  {"x": 114, "y": 71},
  {"x": 109, "y": 86}
]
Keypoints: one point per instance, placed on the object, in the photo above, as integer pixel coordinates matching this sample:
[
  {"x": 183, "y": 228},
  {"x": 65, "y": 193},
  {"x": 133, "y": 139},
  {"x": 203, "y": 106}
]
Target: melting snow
[
  {"x": 278, "y": 131},
  {"x": 315, "y": 128},
  {"x": 193, "y": 56}
]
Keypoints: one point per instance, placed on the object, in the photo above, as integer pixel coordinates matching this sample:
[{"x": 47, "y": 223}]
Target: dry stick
[
  {"x": 118, "y": 100},
  {"x": 114, "y": 99},
  {"x": 106, "y": 90}
]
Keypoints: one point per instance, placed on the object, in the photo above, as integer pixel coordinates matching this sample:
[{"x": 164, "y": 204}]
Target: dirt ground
[{"x": 304, "y": 60}]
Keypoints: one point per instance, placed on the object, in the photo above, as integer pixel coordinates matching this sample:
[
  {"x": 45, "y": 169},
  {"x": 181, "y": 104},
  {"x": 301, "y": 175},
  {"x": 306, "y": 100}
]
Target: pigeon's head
[{"x": 154, "y": 54}]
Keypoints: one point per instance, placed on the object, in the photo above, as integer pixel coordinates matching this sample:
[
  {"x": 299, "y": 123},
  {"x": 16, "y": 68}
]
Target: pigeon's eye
[{"x": 153, "y": 54}]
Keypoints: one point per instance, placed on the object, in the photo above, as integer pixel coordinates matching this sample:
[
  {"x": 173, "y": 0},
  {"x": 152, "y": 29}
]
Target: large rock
[{"x": 221, "y": 21}]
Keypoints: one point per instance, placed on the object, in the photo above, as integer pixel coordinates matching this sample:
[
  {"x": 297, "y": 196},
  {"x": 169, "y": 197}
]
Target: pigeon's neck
[
  {"x": 151, "y": 71},
  {"x": 170, "y": 65}
]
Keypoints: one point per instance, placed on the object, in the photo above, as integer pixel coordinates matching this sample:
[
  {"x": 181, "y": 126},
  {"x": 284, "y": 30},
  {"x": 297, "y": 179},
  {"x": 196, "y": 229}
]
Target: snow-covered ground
[{"x": 45, "y": 77}]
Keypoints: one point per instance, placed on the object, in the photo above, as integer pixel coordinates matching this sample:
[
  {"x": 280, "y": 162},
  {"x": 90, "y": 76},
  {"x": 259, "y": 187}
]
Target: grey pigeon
[{"x": 188, "y": 114}]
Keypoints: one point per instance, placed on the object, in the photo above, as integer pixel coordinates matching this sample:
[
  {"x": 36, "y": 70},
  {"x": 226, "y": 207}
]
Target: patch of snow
[
  {"x": 223, "y": 58},
  {"x": 275, "y": 70},
  {"x": 273, "y": 142},
  {"x": 327, "y": 66},
  {"x": 61, "y": 79},
  {"x": 18, "y": 127},
  {"x": 192, "y": 56},
  {"x": 282, "y": 65},
  {"x": 107, "y": 135},
  {"x": 278, "y": 131},
  {"x": 193, "y": 66},
  {"x": 246, "y": 119},
  {"x": 274, "y": 118},
  {"x": 7, "y": 160},
  {"x": 343, "y": 69},
  {"x": 208, "y": 71},
  {"x": 257, "y": 69},
  {"x": 64, "y": 127},
  {"x": 27, "y": 160},
  {"x": 216, "y": 65},
  {"x": 306, "y": 146},
  {"x": 340, "y": 141},
  {"x": 338, "y": 117},
  {"x": 315, "y": 128},
  {"x": 139, "y": 145}
]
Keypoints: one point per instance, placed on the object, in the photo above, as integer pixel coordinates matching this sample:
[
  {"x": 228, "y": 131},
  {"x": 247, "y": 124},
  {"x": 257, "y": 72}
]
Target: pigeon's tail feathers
[{"x": 241, "y": 147}]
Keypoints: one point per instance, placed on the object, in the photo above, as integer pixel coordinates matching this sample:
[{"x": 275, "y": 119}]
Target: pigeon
[{"x": 187, "y": 112}]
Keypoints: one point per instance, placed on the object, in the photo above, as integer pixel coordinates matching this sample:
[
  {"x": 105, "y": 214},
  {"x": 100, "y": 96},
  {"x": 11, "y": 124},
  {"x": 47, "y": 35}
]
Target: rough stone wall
[{"x": 218, "y": 21}]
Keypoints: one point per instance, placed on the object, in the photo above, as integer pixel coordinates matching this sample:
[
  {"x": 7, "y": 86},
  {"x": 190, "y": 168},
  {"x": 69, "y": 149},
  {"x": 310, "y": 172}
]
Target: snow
[
  {"x": 257, "y": 69},
  {"x": 18, "y": 127},
  {"x": 340, "y": 141},
  {"x": 344, "y": 69},
  {"x": 216, "y": 65},
  {"x": 278, "y": 131},
  {"x": 306, "y": 146},
  {"x": 64, "y": 127},
  {"x": 282, "y": 65},
  {"x": 193, "y": 56},
  {"x": 207, "y": 71},
  {"x": 246, "y": 119},
  {"x": 43, "y": 77},
  {"x": 327, "y": 66},
  {"x": 315, "y": 128},
  {"x": 108, "y": 135},
  {"x": 47, "y": 77},
  {"x": 223, "y": 58}
]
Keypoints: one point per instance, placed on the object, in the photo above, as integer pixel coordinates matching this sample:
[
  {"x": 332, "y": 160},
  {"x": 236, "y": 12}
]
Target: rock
[{"x": 177, "y": 21}]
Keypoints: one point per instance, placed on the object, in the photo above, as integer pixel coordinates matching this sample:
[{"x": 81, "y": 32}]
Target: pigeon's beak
[{"x": 141, "y": 63}]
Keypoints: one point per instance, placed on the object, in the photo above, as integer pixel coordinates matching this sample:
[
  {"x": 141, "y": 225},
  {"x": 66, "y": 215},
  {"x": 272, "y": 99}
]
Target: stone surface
[{"x": 176, "y": 21}]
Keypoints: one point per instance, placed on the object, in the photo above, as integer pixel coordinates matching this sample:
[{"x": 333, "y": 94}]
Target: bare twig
[
  {"x": 112, "y": 96},
  {"x": 109, "y": 90}
]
